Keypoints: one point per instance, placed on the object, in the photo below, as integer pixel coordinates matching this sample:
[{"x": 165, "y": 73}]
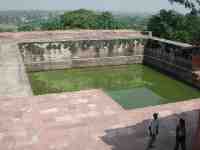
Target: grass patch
[{"x": 130, "y": 85}]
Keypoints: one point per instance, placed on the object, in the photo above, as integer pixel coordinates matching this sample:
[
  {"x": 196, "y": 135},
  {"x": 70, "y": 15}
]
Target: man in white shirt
[{"x": 153, "y": 130}]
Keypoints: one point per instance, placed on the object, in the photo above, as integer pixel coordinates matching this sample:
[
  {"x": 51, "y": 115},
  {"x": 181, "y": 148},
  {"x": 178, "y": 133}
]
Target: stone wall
[
  {"x": 83, "y": 53},
  {"x": 178, "y": 59},
  {"x": 171, "y": 57}
]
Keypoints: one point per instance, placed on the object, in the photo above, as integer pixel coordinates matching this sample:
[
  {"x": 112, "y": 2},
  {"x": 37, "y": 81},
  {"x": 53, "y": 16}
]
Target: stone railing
[
  {"x": 169, "y": 56},
  {"x": 66, "y": 54},
  {"x": 169, "y": 51},
  {"x": 114, "y": 48}
]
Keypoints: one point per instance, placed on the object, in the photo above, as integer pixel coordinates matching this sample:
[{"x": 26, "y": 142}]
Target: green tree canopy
[
  {"x": 51, "y": 24},
  {"x": 175, "y": 26},
  {"x": 84, "y": 19}
]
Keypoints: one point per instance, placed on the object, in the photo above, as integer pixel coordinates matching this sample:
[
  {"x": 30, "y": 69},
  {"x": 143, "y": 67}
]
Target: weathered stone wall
[
  {"x": 66, "y": 54},
  {"x": 171, "y": 57}
]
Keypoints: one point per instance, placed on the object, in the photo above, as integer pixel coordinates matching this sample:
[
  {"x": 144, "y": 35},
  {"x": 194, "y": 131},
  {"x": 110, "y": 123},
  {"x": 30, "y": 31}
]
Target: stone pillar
[{"x": 150, "y": 33}]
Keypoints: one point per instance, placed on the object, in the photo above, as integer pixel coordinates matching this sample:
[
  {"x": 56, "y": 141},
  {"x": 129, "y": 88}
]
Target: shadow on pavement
[{"x": 136, "y": 137}]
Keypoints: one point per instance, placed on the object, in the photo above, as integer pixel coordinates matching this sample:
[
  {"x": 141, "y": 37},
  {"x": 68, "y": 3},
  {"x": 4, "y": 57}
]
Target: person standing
[
  {"x": 153, "y": 130},
  {"x": 180, "y": 135}
]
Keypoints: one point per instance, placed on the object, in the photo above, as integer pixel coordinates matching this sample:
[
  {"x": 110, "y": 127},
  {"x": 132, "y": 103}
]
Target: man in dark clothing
[{"x": 180, "y": 135}]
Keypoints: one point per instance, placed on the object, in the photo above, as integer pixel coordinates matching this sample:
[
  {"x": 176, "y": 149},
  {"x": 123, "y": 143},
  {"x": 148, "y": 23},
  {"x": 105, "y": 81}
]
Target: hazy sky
[{"x": 114, "y": 5}]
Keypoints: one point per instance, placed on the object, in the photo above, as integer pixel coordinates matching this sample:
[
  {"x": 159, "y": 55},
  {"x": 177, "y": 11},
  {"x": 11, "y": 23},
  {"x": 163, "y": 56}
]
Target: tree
[
  {"x": 86, "y": 19},
  {"x": 106, "y": 21},
  {"x": 193, "y": 27},
  {"x": 175, "y": 26},
  {"x": 83, "y": 19},
  {"x": 26, "y": 27},
  {"x": 191, "y": 4},
  {"x": 52, "y": 24},
  {"x": 165, "y": 23}
]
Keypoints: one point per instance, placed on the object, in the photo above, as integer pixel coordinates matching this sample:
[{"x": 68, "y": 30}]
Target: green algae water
[{"x": 132, "y": 86}]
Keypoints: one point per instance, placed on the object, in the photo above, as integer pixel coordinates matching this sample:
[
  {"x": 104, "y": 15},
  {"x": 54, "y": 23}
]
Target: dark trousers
[
  {"x": 151, "y": 141},
  {"x": 180, "y": 142}
]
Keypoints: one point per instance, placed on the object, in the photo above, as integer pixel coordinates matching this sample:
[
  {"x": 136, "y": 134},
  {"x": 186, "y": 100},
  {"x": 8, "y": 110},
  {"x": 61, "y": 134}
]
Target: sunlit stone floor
[{"x": 87, "y": 120}]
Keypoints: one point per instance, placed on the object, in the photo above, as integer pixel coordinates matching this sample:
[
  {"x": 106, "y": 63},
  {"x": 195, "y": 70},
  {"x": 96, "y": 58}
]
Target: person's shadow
[{"x": 136, "y": 137}]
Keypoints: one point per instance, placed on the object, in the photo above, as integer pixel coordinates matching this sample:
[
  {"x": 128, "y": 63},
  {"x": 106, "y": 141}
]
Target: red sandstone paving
[
  {"x": 86, "y": 120},
  {"x": 70, "y": 35}
]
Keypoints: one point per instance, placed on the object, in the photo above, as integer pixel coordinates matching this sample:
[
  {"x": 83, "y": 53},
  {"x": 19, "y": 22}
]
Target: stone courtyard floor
[{"x": 87, "y": 120}]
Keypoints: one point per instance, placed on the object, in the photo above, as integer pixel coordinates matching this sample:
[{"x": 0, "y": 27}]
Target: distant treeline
[
  {"x": 87, "y": 19},
  {"x": 77, "y": 19},
  {"x": 165, "y": 24},
  {"x": 17, "y": 17},
  {"x": 11, "y": 20}
]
